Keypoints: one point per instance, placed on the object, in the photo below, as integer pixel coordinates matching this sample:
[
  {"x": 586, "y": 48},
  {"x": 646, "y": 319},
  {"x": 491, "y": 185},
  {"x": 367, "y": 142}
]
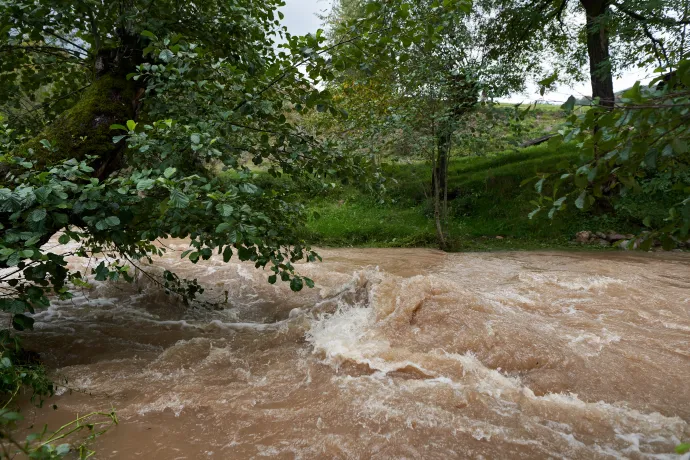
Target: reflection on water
[{"x": 396, "y": 354}]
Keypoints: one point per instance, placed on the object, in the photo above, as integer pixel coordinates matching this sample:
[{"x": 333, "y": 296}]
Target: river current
[{"x": 396, "y": 353}]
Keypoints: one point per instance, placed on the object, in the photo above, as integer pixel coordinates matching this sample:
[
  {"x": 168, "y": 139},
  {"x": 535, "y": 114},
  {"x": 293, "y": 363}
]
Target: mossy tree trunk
[{"x": 84, "y": 130}]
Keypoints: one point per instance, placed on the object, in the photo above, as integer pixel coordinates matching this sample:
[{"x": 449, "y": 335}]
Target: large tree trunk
[
  {"x": 84, "y": 130},
  {"x": 598, "y": 51}
]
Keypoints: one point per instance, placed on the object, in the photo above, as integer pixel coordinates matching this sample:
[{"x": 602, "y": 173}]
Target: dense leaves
[
  {"x": 214, "y": 95},
  {"x": 128, "y": 122},
  {"x": 639, "y": 147}
]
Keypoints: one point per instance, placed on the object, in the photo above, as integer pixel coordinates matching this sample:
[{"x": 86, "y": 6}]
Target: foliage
[
  {"x": 549, "y": 38},
  {"x": 43, "y": 445},
  {"x": 485, "y": 201},
  {"x": 639, "y": 148},
  {"x": 18, "y": 370},
  {"x": 144, "y": 103},
  {"x": 682, "y": 448},
  {"x": 415, "y": 99}
]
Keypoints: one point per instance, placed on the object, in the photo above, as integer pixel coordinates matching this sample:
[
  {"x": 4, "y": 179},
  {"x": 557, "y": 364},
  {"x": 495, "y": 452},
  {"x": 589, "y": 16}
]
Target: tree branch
[
  {"x": 52, "y": 102},
  {"x": 50, "y": 50},
  {"x": 656, "y": 43},
  {"x": 640, "y": 17},
  {"x": 50, "y": 32}
]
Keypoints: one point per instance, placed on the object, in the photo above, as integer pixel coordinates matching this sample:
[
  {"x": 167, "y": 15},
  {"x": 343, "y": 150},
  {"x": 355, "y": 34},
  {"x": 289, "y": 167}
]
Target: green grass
[{"x": 487, "y": 201}]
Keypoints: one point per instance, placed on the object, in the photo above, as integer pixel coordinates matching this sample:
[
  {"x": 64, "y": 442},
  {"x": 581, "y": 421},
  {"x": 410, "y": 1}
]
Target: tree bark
[
  {"x": 598, "y": 50},
  {"x": 84, "y": 129},
  {"x": 443, "y": 143},
  {"x": 437, "y": 208}
]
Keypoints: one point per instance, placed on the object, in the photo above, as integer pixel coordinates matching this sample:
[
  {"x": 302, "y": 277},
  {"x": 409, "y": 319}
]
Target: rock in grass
[{"x": 583, "y": 236}]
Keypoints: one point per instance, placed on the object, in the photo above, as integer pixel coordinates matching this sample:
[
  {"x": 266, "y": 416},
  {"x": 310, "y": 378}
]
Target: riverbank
[{"x": 488, "y": 207}]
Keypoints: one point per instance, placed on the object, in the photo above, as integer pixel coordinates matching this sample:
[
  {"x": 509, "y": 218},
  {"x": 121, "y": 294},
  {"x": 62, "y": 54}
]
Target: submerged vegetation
[{"x": 127, "y": 122}]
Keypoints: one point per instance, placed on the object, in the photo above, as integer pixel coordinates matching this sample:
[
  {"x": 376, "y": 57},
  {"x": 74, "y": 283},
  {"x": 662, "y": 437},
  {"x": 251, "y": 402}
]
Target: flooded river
[{"x": 397, "y": 353}]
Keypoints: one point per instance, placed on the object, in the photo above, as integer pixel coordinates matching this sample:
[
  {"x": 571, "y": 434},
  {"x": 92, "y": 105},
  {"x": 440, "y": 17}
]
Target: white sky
[
  {"x": 301, "y": 18},
  {"x": 301, "y": 15}
]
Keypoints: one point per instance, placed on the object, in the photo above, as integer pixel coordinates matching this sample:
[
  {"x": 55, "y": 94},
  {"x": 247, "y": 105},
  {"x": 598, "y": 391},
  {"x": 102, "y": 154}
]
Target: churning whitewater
[{"x": 396, "y": 353}]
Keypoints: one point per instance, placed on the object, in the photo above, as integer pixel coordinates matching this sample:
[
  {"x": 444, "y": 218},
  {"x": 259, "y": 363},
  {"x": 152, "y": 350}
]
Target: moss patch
[{"x": 85, "y": 128}]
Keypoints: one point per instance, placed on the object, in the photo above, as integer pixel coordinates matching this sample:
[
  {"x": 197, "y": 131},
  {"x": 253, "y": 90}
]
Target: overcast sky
[
  {"x": 301, "y": 15},
  {"x": 301, "y": 18}
]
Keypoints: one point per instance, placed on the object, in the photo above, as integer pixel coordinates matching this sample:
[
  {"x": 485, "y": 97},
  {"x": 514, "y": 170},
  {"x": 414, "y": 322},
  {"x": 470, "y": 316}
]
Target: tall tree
[
  {"x": 157, "y": 98},
  {"x": 610, "y": 35},
  {"x": 430, "y": 78}
]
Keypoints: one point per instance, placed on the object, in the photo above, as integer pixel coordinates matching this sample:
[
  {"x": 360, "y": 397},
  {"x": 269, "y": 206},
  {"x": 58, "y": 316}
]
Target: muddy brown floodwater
[{"x": 397, "y": 353}]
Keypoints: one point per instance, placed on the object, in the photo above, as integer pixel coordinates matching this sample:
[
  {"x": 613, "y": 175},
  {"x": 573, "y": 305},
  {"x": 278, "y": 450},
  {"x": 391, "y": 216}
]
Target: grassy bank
[{"x": 488, "y": 210}]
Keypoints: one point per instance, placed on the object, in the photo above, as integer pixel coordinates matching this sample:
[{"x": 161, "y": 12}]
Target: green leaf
[
  {"x": 22, "y": 322},
  {"x": 112, "y": 221},
  {"x": 680, "y": 146},
  {"x": 545, "y": 83},
  {"x": 569, "y": 105},
  {"x": 539, "y": 185},
  {"x": 165, "y": 55},
  {"x": 108, "y": 222},
  {"x": 667, "y": 243},
  {"x": 37, "y": 215},
  {"x": 145, "y": 184},
  {"x": 117, "y": 126},
  {"x": 683, "y": 448},
  {"x": 272, "y": 279},
  {"x": 633, "y": 93},
  {"x": 149, "y": 34},
  {"x": 580, "y": 201},
  {"x": 195, "y": 138},
  {"x": 372, "y": 7},
  {"x": 249, "y": 188},
  {"x": 12, "y": 416},
  {"x": 526, "y": 181},
  {"x": 646, "y": 244},
  {"x": 296, "y": 284},
  {"x": 64, "y": 239},
  {"x": 223, "y": 227},
  {"x": 178, "y": 199},
  {"x": 169, "y": 172},
  {"x": 226, "y": 210}
]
